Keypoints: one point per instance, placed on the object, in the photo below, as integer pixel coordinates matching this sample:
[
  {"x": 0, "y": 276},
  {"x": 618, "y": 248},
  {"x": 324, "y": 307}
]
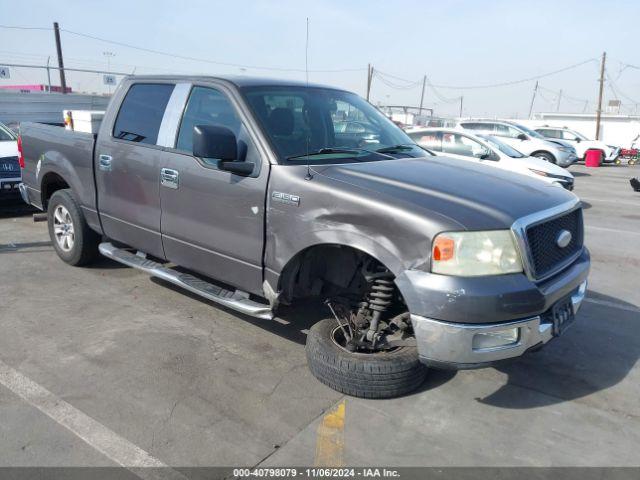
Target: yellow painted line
[{"x": 330, "y": 438}]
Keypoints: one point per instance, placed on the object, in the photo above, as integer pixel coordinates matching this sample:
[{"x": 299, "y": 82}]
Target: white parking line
[
  {"x": 104, "y": 440},
  {"x": 607, "y": 303},
  {"x": 615, "y": 230}
]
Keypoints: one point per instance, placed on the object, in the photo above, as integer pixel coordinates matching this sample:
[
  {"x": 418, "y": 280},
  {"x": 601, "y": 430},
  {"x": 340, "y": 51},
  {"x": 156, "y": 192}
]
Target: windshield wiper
[
  {"x": 396, "y": 148},
  {"x": 325, "y": 151}
]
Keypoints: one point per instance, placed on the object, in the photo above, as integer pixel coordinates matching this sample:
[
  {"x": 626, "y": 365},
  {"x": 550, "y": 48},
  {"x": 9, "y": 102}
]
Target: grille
[
  {"x": 546, "y": 255},
  {"x": 9, "y": 167}
]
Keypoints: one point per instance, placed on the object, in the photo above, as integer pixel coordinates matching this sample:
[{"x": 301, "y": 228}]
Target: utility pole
[
  {"x": 599, "y": 111},
  {"x": 369, "y": 78},
  {"x": 48, "y": 74},
  {"x": 533, "y": 99},
  {"x": 461, "y": 99},
  {"x": 559, "y": 98},
  {"x": 63, "y": 81},
  {"x": 424, "y": 82}
]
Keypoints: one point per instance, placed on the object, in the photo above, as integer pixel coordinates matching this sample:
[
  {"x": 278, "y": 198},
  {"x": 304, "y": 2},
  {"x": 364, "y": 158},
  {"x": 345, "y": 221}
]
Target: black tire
[
  {"x": 545, "y": 156},
  {"x": 84, "y": 249},
  {"x": 379, "y": 375}
]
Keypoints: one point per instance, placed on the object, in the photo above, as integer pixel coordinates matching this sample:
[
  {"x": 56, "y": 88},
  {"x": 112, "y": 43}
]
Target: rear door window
[
  {"x": 506, "y": 131},
  {"x": 141, "y": 112},
  {"x": 549, "y": 133},
  {"x": 460, "y": 145},
  {"x": 484, "y": 127},
  {"x": 429, "y": 140}
]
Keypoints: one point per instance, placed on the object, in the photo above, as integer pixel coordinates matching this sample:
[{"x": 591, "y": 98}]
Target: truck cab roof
[{"x": 236, "y": 80}]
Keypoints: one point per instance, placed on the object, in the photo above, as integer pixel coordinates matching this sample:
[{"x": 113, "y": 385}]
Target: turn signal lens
[{"x": 443, "y": 249}]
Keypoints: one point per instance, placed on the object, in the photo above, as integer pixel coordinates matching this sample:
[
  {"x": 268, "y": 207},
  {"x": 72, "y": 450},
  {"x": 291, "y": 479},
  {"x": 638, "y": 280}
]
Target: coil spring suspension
[{"x": 379, "y": 298}]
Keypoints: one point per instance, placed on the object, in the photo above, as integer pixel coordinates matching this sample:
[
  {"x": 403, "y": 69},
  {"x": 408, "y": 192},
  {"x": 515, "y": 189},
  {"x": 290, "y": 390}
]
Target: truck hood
[
  {"x": 558, "y": 143},
  {"x": 474, "y": 196}
]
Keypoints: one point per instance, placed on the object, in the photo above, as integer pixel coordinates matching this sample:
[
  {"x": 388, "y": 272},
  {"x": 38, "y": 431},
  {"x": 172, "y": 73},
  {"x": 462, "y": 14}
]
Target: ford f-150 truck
[{"x": 247, "y": 192}]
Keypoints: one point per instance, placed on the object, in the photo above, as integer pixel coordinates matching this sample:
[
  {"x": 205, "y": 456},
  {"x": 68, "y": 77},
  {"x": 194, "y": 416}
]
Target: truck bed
[{"x": 51, "y": 151}]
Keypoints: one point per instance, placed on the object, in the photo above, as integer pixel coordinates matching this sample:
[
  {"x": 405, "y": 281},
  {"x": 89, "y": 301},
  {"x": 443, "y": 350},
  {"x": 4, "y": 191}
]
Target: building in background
[{"x": 34, "y": 88}]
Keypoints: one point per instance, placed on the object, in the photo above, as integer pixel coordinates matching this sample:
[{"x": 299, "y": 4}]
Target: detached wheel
[
  {"x": 383, "y": 374},
  {"x": 73, "y": 240},
  {"x": 545, "y": 156}
]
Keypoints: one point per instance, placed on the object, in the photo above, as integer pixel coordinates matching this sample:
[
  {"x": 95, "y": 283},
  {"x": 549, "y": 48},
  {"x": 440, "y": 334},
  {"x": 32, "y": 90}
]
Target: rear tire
[
  {"x": 545, "y": 156},
  {"x": 73, "y": 240},
  {"x": 366, "y": 375}
]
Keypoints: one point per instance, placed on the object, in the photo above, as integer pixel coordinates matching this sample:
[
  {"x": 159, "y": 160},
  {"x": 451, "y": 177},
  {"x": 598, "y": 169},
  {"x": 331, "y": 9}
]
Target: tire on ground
[
  {"x": 380, "y": 375},
  {"x": 85, "y": 246}
]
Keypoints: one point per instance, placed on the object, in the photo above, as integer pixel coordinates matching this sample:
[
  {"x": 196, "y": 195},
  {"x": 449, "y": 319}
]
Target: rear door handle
[
  {"x": 169, "y": 178},
  {"x": 104, "y": 163}
]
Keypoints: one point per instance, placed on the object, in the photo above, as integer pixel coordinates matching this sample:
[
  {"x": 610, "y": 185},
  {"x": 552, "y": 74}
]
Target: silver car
[{"x": 524, "y": 140}]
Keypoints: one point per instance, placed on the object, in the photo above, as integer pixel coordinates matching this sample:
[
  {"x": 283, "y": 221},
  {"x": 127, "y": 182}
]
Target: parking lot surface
[{"x": 103, "y": 366}]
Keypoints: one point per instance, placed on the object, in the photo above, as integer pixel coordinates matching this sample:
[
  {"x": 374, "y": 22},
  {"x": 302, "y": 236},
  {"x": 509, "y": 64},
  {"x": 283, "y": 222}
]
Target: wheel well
[
  {"x": 324, "y": 270},
  {"x": 542, "y": 151},
  {"x": 51, "y": 183}
]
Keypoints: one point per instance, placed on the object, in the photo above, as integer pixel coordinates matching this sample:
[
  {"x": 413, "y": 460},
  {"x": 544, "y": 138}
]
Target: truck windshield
[{"x": 309, "y": 125}]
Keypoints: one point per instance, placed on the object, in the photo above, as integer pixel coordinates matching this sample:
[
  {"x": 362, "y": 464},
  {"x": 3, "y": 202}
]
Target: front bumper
[
  {"x": 9, "y": 187},
  {"x": 451, "y": 345},
  {"x": 24, "y": 193},
  {"x": 613, "y": 156},
  {"x": 565, "y": 159}
]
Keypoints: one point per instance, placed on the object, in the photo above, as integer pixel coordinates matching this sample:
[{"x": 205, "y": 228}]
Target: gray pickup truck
[{"x": 258, "y": 193}]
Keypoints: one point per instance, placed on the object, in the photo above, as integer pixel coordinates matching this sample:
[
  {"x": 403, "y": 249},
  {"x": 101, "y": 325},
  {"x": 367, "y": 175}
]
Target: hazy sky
[{"x": 460, "y": 43}]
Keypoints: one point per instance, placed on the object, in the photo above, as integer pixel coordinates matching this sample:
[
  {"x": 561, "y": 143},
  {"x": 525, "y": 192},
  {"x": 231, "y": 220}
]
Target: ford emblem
[{"x": 564, "y": 238}]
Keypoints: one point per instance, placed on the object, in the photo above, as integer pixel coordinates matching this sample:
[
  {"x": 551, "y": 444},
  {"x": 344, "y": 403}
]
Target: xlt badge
[{"x": 287, "y": 198}]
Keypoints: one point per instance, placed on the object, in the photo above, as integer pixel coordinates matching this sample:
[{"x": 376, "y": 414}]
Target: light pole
[{"x": 108, "y": 55}]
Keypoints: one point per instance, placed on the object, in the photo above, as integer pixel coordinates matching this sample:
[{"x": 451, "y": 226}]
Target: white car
[
  {"x": 491, "y": 151},
  {"x": 10, "y": 175},
  {"x": 580, "y": 142},
  {"x": 524, "y": 140}
]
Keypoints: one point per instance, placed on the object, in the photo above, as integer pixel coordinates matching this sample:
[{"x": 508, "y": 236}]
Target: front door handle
[
  {"x": 169, "y": 178},
  {"x": 104, "y": 163}
]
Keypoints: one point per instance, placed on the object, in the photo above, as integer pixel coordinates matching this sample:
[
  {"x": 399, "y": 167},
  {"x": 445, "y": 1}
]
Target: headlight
[
  {"x": 471, "y": 254},
  {"x": 566, "y": 149},
  {"x": 539, "y": 172}
]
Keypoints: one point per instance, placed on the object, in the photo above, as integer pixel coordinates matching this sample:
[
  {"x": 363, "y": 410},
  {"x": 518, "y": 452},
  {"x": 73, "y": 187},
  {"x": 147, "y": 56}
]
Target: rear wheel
[
  {"x": 385, "y": 373},
  {"x": 545, "y": 156},
  {"x": 73, "y": 240}
]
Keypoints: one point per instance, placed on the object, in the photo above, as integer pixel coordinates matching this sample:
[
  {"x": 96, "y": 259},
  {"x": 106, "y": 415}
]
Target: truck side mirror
[
  {"x": 522, "y": 136},
  {"x": 212, "y": 141}
]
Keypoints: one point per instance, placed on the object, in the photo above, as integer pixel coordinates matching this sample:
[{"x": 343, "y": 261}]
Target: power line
[
  {"x": 495, "y": 85},
  {"x": 15, "y": 27},
  {"x": 614, "y": 87},
  {"x": 187, "y": 57},
  {"x": 204, "y": 60},
  {"x": 515, "y": 82}
]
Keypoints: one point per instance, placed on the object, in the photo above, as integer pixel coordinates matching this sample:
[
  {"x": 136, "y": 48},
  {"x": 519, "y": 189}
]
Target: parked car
[
  {"x": 524, "y": 140},
  {"x": 243, "y": 182},
  {"x": 491, "y": 152},
  {"x": 581, "y": 143},
  {"x": 9, "y": 167}
]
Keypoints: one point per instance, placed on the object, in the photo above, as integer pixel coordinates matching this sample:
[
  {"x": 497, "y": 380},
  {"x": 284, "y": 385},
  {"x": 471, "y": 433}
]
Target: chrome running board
[{"x": 235, "y": 300}]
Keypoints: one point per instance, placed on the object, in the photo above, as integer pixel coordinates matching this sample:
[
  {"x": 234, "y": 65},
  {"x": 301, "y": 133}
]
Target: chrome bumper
[
  {"x": 24, "y": 193},
  {"x": 450, "y": 345},
  {"x": 615, "y": 153}
]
